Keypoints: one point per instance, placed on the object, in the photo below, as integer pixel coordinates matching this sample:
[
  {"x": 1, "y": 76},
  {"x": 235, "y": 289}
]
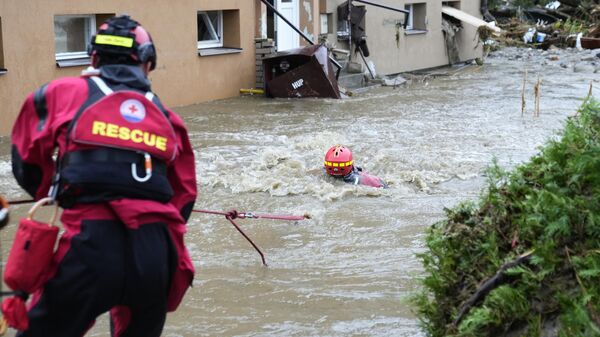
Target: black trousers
[{"x": 108, "y": 266}]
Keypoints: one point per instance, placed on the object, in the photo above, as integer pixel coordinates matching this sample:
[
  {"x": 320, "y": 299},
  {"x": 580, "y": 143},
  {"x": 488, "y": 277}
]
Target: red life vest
[
  {"x": 125, "y": 120},
  {"x": 119, "y": 145}
]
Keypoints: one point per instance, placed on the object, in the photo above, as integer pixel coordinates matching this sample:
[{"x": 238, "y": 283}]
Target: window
[
  {"x": 417, "y": 18},
  {"x": 326, "y": 23},
  {"x": 2, "y": 69},
  {"x": 218, "y": 32},
  {"x": 453, "y": 4},
  {"x": 210, "y": 29},
  {"x": 72, "y": 33}
]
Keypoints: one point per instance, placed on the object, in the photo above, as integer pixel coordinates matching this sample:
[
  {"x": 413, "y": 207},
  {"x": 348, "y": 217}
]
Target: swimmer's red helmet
[{"x": 338, "y": 161}]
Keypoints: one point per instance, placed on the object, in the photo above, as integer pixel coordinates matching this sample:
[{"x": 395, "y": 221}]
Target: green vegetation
[
  {"x": 570, "y": 26},
  {"x": 534, "y": 235}
]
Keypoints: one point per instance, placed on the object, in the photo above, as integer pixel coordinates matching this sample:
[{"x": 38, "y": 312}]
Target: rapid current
[{"x": 350, "y": 269}]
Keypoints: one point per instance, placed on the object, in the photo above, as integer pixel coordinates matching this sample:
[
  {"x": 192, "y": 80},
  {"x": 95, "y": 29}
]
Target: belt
[{"x": 111, "y": 156}]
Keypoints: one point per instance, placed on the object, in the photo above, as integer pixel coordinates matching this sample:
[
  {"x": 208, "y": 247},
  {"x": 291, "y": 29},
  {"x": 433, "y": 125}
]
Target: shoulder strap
[
  {"x": 102, "y": 85},
  {"x": 107, "y": 91}
]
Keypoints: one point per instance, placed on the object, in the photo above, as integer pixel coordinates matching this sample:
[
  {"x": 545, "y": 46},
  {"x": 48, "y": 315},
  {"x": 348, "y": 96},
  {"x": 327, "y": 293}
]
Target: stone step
[{"x": 351, "y": 81}]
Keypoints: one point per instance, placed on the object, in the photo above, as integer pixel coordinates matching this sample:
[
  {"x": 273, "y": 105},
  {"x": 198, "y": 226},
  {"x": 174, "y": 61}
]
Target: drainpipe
[
  {"x": 487, "y": 16},
  {"x": 339, "y": 66},
  {"x": 349, "y": 26}
]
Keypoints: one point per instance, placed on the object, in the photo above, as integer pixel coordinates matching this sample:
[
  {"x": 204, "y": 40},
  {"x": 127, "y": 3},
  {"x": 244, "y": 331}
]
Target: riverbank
[{"x": 523, "y": 258}]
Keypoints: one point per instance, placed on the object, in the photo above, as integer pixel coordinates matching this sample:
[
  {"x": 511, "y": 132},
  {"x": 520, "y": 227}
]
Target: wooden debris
[{"x": 489, "y": 285}]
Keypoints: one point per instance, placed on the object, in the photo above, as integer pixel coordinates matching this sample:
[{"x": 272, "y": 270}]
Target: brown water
[{"x": 349, "y": 270}]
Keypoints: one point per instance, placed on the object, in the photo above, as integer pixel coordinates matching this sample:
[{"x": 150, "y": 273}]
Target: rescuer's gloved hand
[{"x": 3, "y": 212}]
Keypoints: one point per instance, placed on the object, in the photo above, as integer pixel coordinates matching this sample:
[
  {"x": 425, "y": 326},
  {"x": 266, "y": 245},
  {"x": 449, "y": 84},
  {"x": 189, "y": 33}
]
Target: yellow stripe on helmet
[
  {"x": 113, "y": 40},
  {"x": 344, "y": 164}
]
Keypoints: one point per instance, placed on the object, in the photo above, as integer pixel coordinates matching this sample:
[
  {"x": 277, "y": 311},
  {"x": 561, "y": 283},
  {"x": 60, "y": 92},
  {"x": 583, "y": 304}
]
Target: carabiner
[{"x": 148, "y": 165}]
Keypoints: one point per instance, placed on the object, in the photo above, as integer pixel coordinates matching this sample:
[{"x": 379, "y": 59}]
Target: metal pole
[
  {"x": 383, "y": 6},
  {"x": 365, "y": 62},
  {"x": 339, "y": 66},
  {"x": 387, "y": 7}
]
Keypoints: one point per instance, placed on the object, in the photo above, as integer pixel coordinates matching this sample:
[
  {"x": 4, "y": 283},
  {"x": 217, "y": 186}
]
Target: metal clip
[
  {"x": 249, "y": 215},
  {"x": 148, "y": 166},
  {"x": 53, "y": 192}
]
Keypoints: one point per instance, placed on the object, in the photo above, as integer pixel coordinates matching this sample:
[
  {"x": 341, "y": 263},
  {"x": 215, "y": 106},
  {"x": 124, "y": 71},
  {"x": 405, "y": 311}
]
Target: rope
[
  {"x": 233, "y": 214},
  {"x": 230, "y": 216},
  {"x": 250, "y": 215}
]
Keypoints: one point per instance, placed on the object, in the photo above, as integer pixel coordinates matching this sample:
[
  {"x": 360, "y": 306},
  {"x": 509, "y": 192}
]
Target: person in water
[{"x": 339, "y": 164}]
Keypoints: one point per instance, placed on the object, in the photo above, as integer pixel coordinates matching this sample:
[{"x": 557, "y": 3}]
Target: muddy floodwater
[{"x": 349, "y": 269}]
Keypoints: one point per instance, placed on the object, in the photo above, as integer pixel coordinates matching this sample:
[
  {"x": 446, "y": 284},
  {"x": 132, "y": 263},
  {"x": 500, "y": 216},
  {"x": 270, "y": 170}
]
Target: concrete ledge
[
  {"x": 218, "y": 51},
  {"x": 415, "y": 32},
  {"x": 75, "y": 62}
]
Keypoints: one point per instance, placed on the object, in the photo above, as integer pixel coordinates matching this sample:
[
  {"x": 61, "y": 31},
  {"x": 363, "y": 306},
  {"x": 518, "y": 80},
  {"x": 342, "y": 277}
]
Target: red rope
[
  {"x": 251, "y": 215},
  {"x": 233, "y": 214},
  {"x": 262, "y": 256}
]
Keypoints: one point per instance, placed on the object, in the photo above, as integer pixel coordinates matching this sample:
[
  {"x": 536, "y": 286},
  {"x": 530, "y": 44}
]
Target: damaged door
[{"x": 287, "y": 38}]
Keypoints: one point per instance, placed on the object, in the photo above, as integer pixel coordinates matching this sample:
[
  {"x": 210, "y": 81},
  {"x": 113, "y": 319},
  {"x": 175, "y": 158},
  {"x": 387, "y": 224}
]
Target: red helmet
[
  {"x": 123, "y": 40},
  {"x": 338, "y": 161}
]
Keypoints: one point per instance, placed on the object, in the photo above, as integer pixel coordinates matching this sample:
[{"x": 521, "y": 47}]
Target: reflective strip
[
  {"x": 113, "y": 40},
  {"x": 345, "y": 164},
  {"x": 101, "y": 85},
  {"x": 150, "y": 96}
]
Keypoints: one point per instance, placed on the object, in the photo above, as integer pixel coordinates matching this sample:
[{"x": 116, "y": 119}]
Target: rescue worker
[
  {"x": 125, "y": 177},
  {"x": 340, "y": 164}
]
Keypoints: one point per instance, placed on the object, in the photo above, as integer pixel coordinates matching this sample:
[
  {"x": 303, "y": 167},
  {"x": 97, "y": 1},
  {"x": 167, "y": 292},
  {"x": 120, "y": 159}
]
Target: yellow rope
[{"x": 3, "y": 326}]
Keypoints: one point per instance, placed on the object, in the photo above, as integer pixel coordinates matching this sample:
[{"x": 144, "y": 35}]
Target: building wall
[
  {"x": 393, "y": 51},
  {"x": 181, "y": 77},
  {"x": 309, "y": 20}
]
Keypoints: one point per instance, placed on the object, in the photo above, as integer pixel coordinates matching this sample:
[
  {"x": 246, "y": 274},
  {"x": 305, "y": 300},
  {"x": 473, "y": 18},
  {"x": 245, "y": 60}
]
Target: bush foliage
[{"x": 549, "y": 206}]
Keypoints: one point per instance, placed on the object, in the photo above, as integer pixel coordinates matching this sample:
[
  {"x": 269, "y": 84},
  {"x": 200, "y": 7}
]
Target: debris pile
[
  {"x": 559, "y": 23},
  {"x": 523, "y": 260}
]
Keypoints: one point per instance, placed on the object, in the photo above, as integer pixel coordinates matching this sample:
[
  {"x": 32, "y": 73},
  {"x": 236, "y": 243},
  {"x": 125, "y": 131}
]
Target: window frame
[
  {"x": 79, "y": 54},
  {"x": 215, "y": 43},
  {"x": 420, "y": 25},
  {"x": 411, "y": 14}
]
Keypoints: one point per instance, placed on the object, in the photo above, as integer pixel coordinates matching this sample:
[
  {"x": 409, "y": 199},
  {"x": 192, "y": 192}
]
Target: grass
[{"x": 549, "y": 206}]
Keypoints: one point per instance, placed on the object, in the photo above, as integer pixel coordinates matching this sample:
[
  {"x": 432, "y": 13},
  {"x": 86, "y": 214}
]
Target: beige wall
[
  {"x": 392, "y": 51},
  {"x": 309, "y": 20},
  {"x": 181, "y": 77}
]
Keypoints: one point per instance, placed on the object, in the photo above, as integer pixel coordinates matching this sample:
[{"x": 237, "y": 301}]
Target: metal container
[{"x": 302, "y": 72}]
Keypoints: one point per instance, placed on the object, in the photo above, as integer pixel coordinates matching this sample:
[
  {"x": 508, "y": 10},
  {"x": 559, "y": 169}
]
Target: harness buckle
[{"x": 148, "y": 166}]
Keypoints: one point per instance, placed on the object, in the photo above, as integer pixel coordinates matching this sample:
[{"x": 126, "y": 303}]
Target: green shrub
[{"x": 549, "y": 205}]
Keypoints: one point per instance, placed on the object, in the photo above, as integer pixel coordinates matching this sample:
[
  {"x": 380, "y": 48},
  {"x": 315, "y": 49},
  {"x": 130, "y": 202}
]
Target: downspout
[{"x": 485, "y": 11}]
